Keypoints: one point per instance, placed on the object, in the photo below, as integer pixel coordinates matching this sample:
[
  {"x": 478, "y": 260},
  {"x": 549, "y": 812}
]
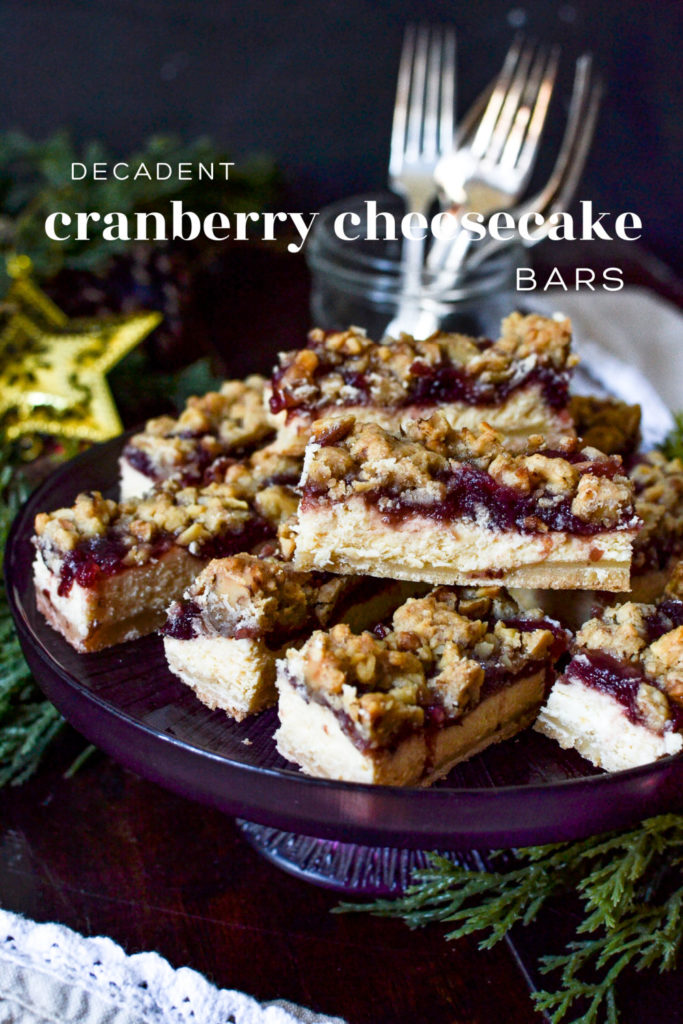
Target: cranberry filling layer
[
  {"x": 657, "y": 554},
  {"x": 99, "y": 557},
  {"x": 447, "y": 383},
  {"x": 470, "y": 490},
  {"x": 93, "y": 559},
  {"x": 667, "y": 615},
  {"x": 140, "y": 460},
  {"x": 602, "y": 672},
  {"x": 429, "y": 385},
  {"x": 181, "y": 623},
  {"x": 184, "y": 620}
]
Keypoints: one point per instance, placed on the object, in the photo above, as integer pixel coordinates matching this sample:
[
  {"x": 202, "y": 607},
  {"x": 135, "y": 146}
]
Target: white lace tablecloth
[
  {"x": 52, "y": 975},
  {"x": 631, "y": 343}
]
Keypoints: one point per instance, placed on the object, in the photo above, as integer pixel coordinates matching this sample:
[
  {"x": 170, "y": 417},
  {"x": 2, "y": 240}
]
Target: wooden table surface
[{"x": 107, "y": 852}]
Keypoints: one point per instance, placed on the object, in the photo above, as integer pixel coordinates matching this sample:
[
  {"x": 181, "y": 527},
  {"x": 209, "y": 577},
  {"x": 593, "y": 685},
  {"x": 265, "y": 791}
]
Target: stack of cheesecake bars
[{"x": 414, "y": 548}]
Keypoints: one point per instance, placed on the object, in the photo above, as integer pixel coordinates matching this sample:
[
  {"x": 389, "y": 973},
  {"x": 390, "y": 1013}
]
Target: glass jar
[{"x": 360, "y": 282}]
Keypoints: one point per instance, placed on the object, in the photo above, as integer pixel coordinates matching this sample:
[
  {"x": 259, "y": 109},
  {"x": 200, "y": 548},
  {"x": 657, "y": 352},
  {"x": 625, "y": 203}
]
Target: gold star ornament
[{"x": 52, "y": 369}]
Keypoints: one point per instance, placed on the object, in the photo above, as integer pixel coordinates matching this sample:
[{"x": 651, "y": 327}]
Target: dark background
[{"x": 312, "y": 83}]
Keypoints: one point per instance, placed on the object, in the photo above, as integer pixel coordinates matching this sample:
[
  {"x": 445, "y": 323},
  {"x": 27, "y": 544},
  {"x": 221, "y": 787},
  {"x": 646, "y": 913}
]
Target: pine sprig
[
  {"x": 630, "y": 887},
  {"x": 28, "y": 722},
  {"x": 672, "y": 446}
]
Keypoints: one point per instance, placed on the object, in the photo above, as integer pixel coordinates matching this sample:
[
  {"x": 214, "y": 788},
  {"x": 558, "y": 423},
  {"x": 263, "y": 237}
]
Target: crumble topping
[
  {"x": 609, "y": 424},
  {"x": 190, "y": 516},
  {"x": 658, "y": 484},
  {"x": 430, "y": 667},
  {"x": 347, "y": 368},
  {"x": 421, "y": 466},
  {"x": 663, "y": 661},
  {"x": 379, "y": 692},
  {"x": 208, "y": 427},
  {"x": 263, "y": 468},
  {"x": 535, "y": 335},
  {"x": 622, "y": 631},
  {"x": 266, "y": 479},
  {"x": 90, "y": 516}
]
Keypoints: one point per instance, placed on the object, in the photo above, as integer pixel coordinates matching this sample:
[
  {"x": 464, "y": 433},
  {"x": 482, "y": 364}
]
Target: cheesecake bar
[
  {"x": 217, "y": 424},
  {"x": 242, "y": 613},
  {"x": 454, "y": 506},
  {"x": 106, "y": 571},
  {"x": 658, "y": 502},
  {"x": 620, "y": 700},
  {"x": 402, "y": 705},
  {"x": 518, "y": 384}
]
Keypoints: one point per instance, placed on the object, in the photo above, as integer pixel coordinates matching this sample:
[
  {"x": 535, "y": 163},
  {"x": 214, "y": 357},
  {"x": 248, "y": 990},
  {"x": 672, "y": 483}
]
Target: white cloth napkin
[
  {"x": 631, "y": 344},
  {"x": 50, "y": 974}
]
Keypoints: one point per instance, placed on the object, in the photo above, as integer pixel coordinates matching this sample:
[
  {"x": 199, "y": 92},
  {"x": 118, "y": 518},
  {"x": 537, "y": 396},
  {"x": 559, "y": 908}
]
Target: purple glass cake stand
[{"x": 344, "y": 835}]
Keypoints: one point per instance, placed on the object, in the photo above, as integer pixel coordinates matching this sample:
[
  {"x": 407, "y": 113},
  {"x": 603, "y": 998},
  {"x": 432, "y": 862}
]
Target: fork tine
[
  {"x": 417, "y": 90},
  {"x": 561, "y": 186},
  {"x": 580, "y": 154},
  {"x": 539, "y": 112},
  {"x": 493, "y": 107},
  {"x": 447, "y": 109},
  {"x": 533, "y": 107},
  {"x": 430, "y": 137},
  {"x": 398, "y": 127},
  {"x": 439, "y": 105},
  {"x": 510, "y": 106}
]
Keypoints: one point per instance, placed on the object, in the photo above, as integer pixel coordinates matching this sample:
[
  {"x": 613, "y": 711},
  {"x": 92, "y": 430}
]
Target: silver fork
[
  {"x": 490, "y": 171},
  {"x": 422, "y": 133},
  {"x": 424, "y": 113},
  {"x": 558, "y": 192}
]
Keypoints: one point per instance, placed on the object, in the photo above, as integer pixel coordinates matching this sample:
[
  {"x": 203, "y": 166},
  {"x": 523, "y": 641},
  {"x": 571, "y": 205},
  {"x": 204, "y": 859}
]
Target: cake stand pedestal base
[{"x": 348, "y": 868}]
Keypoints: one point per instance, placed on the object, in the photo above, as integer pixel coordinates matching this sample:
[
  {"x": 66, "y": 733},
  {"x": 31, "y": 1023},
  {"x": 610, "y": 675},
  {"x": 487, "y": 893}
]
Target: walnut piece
[
  {"x": 255, "y": 595},
  {"x": 658, "y": 484}
]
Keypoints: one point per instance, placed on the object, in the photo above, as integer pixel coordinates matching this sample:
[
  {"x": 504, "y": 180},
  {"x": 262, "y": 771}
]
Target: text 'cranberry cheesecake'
[
  {"x": 620, "y": 700},
  {"x": 519, "y": 384},
  {"x": 454, "y": 506},
  {"x": 242, "y": 613},
  {"x": 219, "y": 423},
  {"x": 401, "y": 706},
  {"x": 106, "y": 571}
]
